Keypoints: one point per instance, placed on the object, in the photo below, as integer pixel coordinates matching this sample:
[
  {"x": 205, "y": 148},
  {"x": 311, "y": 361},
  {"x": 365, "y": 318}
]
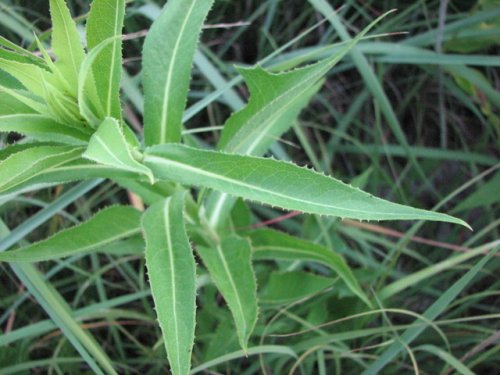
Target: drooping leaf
[
  {"x": 286, "y": 287},
  {"x": 66, "y": 43},
  {"x": 230, "y": 267},
  {"x": 269, "y": 244},
  {"x": 109, "y": 146},
  {"x": 42, "y": 128},
  {"x": 167, "y": 60},
  {"x": 107, "y": 226},
  {"x": 171, "y": 270},
  {"x": 276, "y": 183},
  {"x": 24, "y": 165},
  {"x": 105, "y": 20}
]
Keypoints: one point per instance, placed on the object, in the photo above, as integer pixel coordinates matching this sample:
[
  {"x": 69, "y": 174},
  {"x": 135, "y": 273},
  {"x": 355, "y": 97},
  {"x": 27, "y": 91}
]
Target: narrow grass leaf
[
  {"x": 167, "y": 60},
  {"x": 106, "y": 227},
  {"x": 66, "y": 43},
  {"x": 109, "y": 146},
  {"x": 230, "y": 267},
  {"x": 447, "y": 357},
  {"x": 269, "y": 244},
  {"x": 430, "y": 314},
  {"x": 277, "y": 183},
  {"x": 105, "y": 20},
  {"x": 172, "y": 276}
]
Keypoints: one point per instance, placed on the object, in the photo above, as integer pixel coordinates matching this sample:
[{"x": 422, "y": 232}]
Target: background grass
[{"x": 416, "y": 115}]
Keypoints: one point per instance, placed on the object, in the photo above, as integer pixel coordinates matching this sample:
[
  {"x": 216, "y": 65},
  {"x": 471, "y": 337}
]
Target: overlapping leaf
[
  {"x": 105, "y": 21},
  {"x": 66, "y": 44},
  {"x": 109, "y": 146}
]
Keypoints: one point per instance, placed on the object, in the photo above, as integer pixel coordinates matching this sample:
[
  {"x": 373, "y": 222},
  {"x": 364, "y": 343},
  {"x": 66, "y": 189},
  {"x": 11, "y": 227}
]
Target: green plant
[{"x": 69, "y": 110}]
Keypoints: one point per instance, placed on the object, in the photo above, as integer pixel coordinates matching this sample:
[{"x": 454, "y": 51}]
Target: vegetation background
[{"x": 429, "y": 139}]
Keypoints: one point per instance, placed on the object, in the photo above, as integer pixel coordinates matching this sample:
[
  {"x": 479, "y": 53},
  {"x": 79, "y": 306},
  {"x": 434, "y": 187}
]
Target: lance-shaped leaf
[
  {"x": 269, "y": 244},
  {"x": 168, "y": 57},
  {"x": 277, "y": 183},
  {"x": 172, "y": 273},
  {"x": 42, "y": 128},
  {"x": 109, "y": 146},
  {"x": 106, "y": 227},
  {"x": 106, "y": 21},
  {"x": 230, "y": 267},
  {"x": 27, "y": 164},
  {"x": 66, "y": 44},
  {"x": 275, "y": 102}
]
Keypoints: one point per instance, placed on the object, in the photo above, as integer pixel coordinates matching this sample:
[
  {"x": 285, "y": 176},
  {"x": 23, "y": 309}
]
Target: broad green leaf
[
  {"x": 66, "y": 43},
  {"x": 105, "y": 20},
  {"x": 230, "y": 267},
  {"x": 167, "y": 60},
  {"x": 30, "y": 75},
  {"x": 269, "y": 244},
  {"x": 107, "y": 226},
  {"x": 42, "y": 128},
  {"x": 172, "y": 277},
  {"x": 109, "y": 146},
  {"x": 286, "y": 287},
  {"x": 277, "y": 183},
  {"x": 24, "y": 165}
]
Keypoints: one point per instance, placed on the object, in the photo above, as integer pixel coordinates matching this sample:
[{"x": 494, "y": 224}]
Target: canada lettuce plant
[{"x": 69, "y": 111}]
